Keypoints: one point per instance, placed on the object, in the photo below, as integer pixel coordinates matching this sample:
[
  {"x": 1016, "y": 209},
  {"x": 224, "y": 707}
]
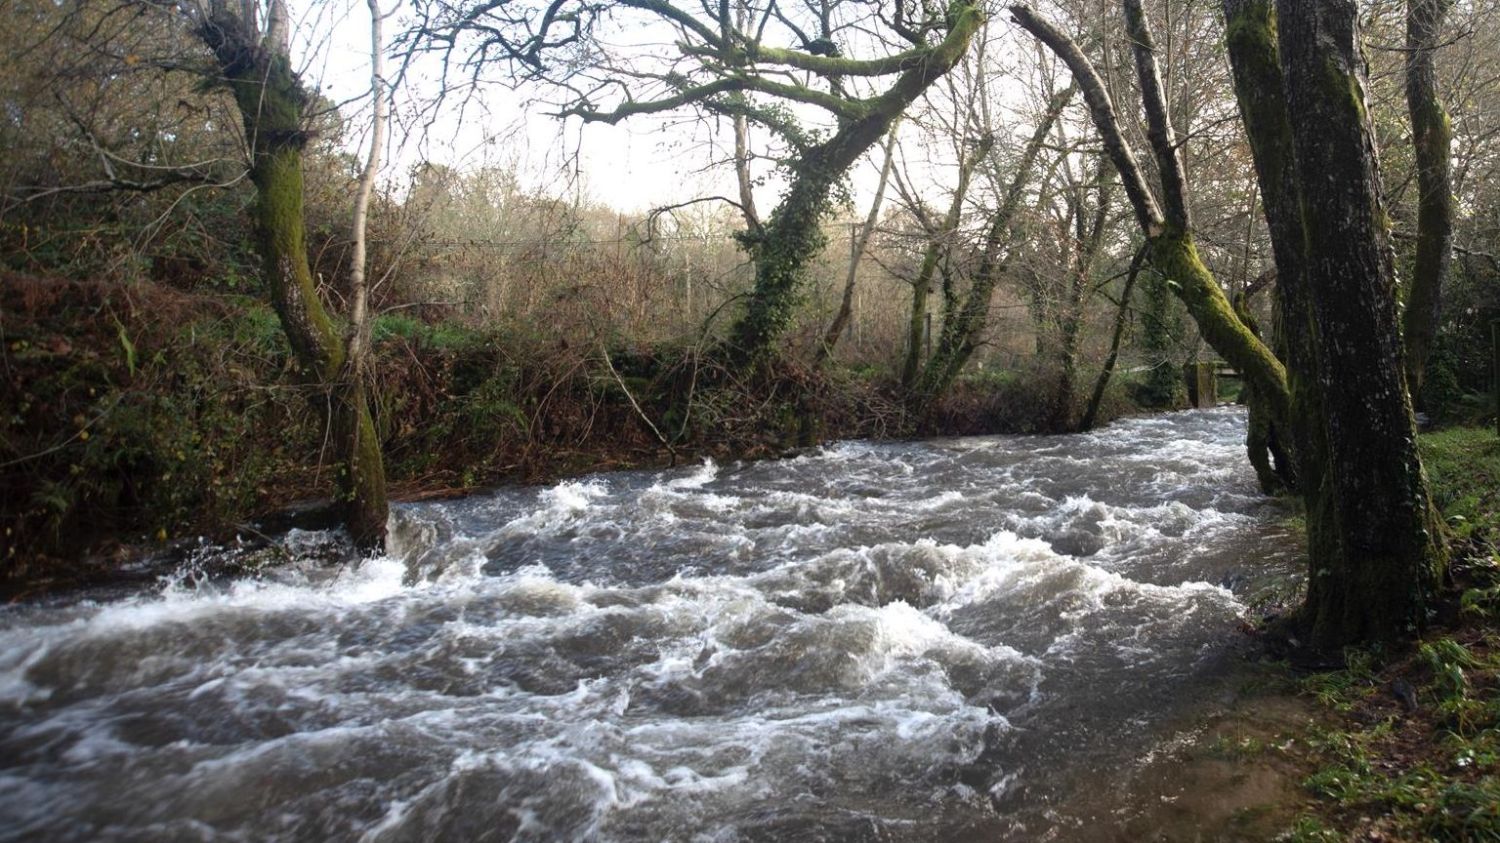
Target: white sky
[{"x": 642, "y": 163}]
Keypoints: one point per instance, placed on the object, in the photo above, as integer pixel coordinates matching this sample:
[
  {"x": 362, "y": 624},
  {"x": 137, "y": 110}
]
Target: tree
[
  {"x": 1167, "y": 225},
  {"x": 725, "y": 68},
  {"x": 861, "y": 242},
  {"x": 1374, "y": 541},
  {"x": 1390, "y": 555},
  {"x": 1089, "y": 225},
  {"x": 1254, "y": 57},
  {"x": 251, "y": 53},
  {"x": 1432, "y": 139},
  {"x": 964, "y": 322}
]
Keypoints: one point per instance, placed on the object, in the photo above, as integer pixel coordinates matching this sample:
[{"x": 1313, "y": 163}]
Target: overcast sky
[{"x": 643, "y": 163}]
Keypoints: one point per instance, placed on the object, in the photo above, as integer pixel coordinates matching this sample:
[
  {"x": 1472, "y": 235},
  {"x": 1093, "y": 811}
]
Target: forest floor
[{"x": 1410, "y": 749}]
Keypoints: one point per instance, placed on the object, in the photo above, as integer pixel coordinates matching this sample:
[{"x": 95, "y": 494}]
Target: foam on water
[{"x": 892, "y": 639}]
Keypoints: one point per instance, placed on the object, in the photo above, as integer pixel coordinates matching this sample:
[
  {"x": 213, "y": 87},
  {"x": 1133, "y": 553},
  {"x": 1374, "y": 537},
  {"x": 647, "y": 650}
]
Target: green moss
[{"x": 1176, "y": 258}]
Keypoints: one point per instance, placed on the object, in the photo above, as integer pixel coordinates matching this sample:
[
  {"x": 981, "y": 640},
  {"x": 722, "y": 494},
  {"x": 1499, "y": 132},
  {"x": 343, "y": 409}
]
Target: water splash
[{"x": 903, "y": 641}]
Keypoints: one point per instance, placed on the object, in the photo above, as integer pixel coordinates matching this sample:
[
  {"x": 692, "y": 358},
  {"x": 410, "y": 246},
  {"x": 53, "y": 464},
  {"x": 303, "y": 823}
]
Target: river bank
[
  {"x": 1329, "y": 757},
  {"x": 1410, "y": 746},
  {"x": 140, "y": 415}
]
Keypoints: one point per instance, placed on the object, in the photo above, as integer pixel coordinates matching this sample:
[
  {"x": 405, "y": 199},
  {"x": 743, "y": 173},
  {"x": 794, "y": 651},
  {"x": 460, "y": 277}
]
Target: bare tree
[
  {"x": 861, "y": 242},
  {"x": 1167, "y": 225},
  {"x": 727, "y": 63},
  {"x": 964, "y": 323}
]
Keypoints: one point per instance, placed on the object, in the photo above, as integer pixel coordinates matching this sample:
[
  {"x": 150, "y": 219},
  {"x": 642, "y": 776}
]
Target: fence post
[{"x": 1202, "y": 384}]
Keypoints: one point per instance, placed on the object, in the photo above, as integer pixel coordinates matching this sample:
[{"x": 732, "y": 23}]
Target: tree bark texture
[
  {"x": 1390, "y": 553},
  {"x": 1254, "y": 58},
  {"x": 1262, "y": 439},
  {"x": 1432, "y": 138}
]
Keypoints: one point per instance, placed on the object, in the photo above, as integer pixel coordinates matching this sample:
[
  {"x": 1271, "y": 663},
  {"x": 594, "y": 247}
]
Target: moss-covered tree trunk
[
  {"x": 1262, "y": 440},
  {"x": 270, "y": 99},
  {"x": 1254, "y": 58},
  {"x": 793, "y": 236},
  {"x": 1390, "y": 552},
  {"x": 1175, "y": 256},
  {"x": 1161, "y": 331},
  {"x": 1432, "y": 137},
  {"x": 1171, "y": 250}
]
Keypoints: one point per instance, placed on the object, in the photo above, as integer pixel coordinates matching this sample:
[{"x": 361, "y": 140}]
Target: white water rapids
[{"x": 915, "y": 641}]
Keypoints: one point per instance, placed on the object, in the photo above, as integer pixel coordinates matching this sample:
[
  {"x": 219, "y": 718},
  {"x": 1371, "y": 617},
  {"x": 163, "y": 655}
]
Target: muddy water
[{"x": 936, "y": 640}]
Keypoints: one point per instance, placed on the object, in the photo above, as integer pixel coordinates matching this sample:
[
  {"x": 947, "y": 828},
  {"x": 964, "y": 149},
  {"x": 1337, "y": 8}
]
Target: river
[{"x": 936, "y": 640}]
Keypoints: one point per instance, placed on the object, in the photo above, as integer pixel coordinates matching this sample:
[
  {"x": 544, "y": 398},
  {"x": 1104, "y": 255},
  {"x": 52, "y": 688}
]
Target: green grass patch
[
  {"x": 1463, "y": 468},
  {"x": 1393, "y": 774}
]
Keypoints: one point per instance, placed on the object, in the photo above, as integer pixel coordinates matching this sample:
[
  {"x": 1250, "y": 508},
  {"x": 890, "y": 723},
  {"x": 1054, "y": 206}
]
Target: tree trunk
[
  {"x": 1390, "y": 555},
  {"x": 1091, "y": 414},
  {"x": 939, "y": 245},
  {"x": 270, "y": 99},
  {"x": 1432, "y": 137},
  {"x": 1171, "y": 249},
  {"x": 963, "y": 325},
  {"x": 1254, "y": 58},
  {"x": 1088, "y": 234},
  {"x": 861, "y": 242},
  {"x": 1161, "y": 331},
  {"x": 1262, "y": 440},
  {"x": 793, "y": 235},
  {"x": 1174, "y": 255},
  {"x": 364, "y": 470}
]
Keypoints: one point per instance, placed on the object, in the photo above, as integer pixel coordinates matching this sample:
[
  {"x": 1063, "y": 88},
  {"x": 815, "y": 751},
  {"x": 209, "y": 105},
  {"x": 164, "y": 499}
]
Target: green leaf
[{"x": 127, "y": 346}]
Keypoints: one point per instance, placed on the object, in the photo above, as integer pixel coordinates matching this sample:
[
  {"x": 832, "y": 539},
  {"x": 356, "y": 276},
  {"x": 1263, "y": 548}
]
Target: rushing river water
[{"x": 918, "y": 641}]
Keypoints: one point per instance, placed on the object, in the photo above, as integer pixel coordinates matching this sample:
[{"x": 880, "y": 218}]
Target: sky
[
  {"x": 637, "y": 165},
  {"x": 644, "y": 162}
]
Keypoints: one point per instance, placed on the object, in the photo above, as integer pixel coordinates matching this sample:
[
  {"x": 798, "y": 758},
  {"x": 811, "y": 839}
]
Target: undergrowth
[
  {"x": 139, "y": 413},
  {"x": 1415, "y": 750}
]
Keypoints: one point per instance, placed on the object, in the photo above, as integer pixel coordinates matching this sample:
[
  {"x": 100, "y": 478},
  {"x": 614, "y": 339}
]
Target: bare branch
[
  {"x": 1102, "y": 110},
  {"x": 1158, "y": 127}
]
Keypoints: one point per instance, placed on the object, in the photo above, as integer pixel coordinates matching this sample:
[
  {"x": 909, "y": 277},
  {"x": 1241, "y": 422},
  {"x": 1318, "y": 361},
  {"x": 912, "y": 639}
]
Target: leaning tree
[
  {"x": 825, "y": 79},
  {"x": 248, "y": 53}
]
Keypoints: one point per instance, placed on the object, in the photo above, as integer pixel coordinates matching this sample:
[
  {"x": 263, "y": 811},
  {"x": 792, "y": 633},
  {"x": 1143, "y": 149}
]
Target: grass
[
  {"x": 1463, "y": 467},
  {"x": 1384, "y": 772}
]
